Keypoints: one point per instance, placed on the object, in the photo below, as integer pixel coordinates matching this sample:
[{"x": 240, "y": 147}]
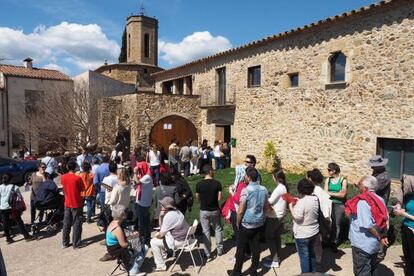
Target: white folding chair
[{"x": 190, "y": 243}]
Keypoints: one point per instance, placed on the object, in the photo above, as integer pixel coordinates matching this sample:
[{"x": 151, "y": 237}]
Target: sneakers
[
  {"x": 271, "y": 264},
  {"x": 9, "y": 241}
]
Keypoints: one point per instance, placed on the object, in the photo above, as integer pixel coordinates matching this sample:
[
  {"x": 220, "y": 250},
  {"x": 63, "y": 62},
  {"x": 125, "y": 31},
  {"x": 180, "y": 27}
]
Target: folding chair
[
  {"x": 190, "y": 243},
  {"x": 121, "y": 267}
]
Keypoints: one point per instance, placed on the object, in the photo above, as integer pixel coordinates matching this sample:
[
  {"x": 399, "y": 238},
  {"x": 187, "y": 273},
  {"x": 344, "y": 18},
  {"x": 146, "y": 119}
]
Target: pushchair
[{"x": 53, "y": 213}]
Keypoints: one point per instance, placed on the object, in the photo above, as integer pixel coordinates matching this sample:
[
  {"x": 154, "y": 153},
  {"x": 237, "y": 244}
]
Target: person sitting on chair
[
  {"x": 172, "y": 234},
  {"x": 118, "y": 246},
  {"x": 48, "y": 193}
]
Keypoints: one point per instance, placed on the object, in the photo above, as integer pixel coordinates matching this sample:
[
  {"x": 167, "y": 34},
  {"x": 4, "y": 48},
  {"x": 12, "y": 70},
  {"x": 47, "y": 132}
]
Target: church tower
[{"x": 142, "y": 39}]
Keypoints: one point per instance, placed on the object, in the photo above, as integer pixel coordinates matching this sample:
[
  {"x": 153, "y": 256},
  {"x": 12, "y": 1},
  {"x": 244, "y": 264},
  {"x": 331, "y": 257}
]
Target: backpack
[{"x": 16, "y": 202}]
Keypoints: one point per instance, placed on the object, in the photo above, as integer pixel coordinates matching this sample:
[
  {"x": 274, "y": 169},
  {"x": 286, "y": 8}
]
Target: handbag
[
  {"x": 324, "y": 223},
  {"x": 16, "y": 202}
]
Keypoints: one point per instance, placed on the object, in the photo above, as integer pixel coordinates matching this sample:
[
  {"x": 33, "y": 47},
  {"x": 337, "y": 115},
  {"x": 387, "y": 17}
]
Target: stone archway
[{"x": 172, "y": 127}]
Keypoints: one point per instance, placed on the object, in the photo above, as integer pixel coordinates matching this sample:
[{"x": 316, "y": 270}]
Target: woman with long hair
[
  {"x": 336, "y": 187},
  {"x": 121, "y": 193},
  {"x": 184, "y": 198},
  {"x": 274, "y": 220}
]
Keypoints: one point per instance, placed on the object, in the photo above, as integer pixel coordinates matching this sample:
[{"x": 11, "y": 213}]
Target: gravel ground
[{"x": 45, "y": 256}]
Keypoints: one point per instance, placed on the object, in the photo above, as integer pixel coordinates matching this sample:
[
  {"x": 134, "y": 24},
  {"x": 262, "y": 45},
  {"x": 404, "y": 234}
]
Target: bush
[{"x": 272, "y": 160}]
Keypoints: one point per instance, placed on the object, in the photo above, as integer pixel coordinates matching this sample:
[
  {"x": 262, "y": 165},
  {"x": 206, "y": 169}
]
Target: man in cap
[
  {"x": 172, "y": 233},
  {"x": 377, "y": 163}
]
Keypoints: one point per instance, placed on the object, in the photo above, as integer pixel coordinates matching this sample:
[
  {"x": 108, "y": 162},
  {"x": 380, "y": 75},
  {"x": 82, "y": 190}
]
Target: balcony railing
[{"x": 211, "y": 98}]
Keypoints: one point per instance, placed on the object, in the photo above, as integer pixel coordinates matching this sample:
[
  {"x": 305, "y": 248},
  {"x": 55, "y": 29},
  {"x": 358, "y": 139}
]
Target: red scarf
[
  {"x": 378, "y": 208},
  {"x": 142, "y": 169}
]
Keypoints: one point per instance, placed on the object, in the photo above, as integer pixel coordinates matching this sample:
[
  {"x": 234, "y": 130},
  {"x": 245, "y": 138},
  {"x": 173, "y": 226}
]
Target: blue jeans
[
  {"x": 218, "y": 163},
  {"x": 306, "y": 254},
  {"x": 155, "y": 171},
  {"x": 90, "y": 207},
  {"x": 143, "y": 220},
  {"x": 102, "y": 199}
]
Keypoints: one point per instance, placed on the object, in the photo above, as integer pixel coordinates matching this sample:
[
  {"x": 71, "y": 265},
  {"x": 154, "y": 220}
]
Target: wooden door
[{"x": 172, "y": 127}]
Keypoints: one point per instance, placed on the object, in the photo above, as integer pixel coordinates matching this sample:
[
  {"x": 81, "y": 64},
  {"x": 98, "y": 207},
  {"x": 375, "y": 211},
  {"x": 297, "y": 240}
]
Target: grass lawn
[{"x": 226, "y": 177}]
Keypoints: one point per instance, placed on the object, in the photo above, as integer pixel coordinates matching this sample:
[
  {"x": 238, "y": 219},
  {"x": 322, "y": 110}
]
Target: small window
[
  {"x": 400, "y": 155},
  {"x": 254, "y": 76},
  {"x": 180, "y": 86},
  {"x": 145, "y": 71},
  {"x": 146, "y": 45},
  {"x": 338, "y": 63},
  {"x": 294, "y": 79},
  {"x": 189, "y": 83}
]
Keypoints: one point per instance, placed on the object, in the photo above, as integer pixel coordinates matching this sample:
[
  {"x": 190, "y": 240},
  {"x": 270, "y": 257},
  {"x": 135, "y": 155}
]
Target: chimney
[{"x": 28, "y": 63}]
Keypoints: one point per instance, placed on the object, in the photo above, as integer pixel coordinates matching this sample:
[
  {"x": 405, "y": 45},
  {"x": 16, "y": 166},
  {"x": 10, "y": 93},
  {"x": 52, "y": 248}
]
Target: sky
[{"x": 74, "y": 36}]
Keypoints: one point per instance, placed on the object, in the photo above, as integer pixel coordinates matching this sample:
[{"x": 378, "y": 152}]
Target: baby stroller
[{"x": 53, "y": 212}]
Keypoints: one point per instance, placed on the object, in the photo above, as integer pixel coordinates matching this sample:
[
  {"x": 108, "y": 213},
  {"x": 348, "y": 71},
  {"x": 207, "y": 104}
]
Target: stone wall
[
  {"x": 316, "y": 123},
  {"x": 130, "y": 73},
  {"x": 140, "y": 112}
]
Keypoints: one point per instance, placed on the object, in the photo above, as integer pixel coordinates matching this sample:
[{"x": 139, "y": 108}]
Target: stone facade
[
  {"x": 138, "y": 113},
  {"x": 136, "y": 74},
  {"x": 317, "y": 122}
]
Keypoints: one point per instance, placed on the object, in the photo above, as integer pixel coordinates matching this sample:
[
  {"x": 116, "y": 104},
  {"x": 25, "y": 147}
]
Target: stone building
[
  {"x": 340, "y": 89},
  {"x": 142, "y": 54},
  {"x": 21, "y": 88}
]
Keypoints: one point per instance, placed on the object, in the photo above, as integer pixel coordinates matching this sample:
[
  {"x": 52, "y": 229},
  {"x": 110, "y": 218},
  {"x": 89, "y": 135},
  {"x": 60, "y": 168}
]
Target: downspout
[{"x": 6, "y": 90}]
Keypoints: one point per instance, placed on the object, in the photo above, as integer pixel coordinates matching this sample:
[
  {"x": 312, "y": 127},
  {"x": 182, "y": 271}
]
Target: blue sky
[{"x": 77, "y": 35}]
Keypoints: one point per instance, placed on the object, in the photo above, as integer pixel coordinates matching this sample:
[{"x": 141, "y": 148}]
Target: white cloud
[
  {"x": 194, "y": 46},
  {"x": 85, "y": 46},
  {"x": 54, "y": 66}
]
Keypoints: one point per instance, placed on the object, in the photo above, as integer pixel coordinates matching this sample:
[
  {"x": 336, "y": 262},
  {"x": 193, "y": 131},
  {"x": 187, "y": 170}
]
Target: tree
[
  {"x": 123, "y": 54},
  {"x": 57, "y": 119}
]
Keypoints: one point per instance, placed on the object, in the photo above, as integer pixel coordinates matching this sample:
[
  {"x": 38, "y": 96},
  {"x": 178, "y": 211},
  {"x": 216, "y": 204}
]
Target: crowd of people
[{"x": 125, "y": 195}]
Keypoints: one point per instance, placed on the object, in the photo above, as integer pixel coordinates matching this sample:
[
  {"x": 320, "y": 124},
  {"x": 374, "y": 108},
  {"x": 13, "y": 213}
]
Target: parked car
[{"x": 20, "y": 170}]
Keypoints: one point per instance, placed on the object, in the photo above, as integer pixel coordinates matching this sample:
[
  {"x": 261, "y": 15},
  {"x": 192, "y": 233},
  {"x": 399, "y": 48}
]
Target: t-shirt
[
  {"x": 409, "y": 208},
  {"x": 154, "y": 158},
  {"x": 306, "y": 212},
  {"x": 111, "y": 180},
  {"x": 185, "y": 154},
  {"x": 87, "y": 180},
  {"x": 174, "y": 224},
  {"x": 72, "y": 188},
  {"x": 146, "y": 191},
  {"x": 208, "y": 190},
  {"x": 277, "y": 202},
  {"x": 51, "y": 164}
]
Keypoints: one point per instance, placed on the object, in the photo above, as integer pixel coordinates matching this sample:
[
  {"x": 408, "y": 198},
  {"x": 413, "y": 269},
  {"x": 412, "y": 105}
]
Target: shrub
[{"x": 272, "y": 160}]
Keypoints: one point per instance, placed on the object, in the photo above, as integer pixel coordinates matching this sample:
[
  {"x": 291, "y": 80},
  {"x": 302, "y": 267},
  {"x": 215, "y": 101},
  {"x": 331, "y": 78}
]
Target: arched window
[
  {"x": 338, "y": 63},
  {"x": 146, "y": 45}
]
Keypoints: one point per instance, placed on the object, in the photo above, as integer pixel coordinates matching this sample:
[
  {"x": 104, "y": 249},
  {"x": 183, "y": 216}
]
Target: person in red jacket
[{"x": 72, "y": 188}]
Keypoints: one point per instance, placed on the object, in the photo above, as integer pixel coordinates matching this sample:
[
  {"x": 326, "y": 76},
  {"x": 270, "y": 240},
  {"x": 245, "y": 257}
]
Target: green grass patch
[{"x": 226, "y": 178}]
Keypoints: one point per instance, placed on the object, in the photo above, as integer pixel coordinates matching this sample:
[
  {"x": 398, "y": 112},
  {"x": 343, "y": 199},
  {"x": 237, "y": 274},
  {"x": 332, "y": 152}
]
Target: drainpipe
[{"x": 6, "y": 90}]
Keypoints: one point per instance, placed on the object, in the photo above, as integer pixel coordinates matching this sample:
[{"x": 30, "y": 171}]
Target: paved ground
[{"x": 45, "y": 256}]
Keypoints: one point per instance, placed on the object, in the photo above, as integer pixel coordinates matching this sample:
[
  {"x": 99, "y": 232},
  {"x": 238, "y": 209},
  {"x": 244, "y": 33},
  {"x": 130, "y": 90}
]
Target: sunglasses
[
  {"x": 43, "y": 168},
  {"x": 247, "y": 161},
  {"x": 329, "y": 170}
]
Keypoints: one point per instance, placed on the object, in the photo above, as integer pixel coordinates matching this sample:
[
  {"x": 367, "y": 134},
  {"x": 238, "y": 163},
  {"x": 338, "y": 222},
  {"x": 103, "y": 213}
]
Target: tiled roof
[
  {"x": 278, "y": 36},
  {"x": 35, "y": 73}
]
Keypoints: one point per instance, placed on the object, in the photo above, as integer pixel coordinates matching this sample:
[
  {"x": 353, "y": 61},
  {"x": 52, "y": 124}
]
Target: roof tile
[{"x": 35, "y": 73}]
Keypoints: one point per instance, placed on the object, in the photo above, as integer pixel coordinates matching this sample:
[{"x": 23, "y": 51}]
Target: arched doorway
[{"x": 172, "y": 127}]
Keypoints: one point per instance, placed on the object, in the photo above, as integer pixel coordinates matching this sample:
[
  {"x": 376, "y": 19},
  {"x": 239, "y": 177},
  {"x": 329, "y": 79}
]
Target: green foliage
[
  {"x": 272, "y": 160},
  {"x": 123, "y": 54},
  {"x": 226, "y": 178}
]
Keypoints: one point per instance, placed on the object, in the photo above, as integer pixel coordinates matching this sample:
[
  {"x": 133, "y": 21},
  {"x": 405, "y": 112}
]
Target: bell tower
[{"x": 142, "y": 39}]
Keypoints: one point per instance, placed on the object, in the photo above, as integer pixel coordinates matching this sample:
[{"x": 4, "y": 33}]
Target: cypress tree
[{"x": 123, "y": 54}]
